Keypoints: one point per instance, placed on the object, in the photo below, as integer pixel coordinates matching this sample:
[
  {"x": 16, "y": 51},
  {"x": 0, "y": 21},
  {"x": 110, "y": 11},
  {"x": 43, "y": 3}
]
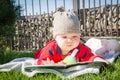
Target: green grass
[{"x": 112, "y": 72}]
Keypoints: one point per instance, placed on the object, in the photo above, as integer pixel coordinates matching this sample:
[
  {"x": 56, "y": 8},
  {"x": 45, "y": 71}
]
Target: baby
[{"x": 65, "y": 42}]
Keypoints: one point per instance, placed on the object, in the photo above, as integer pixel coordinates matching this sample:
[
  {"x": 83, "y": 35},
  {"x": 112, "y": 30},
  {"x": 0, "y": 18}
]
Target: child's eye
[
  {"x": 74, "y": 36},
  {"x": 64, "y": 37}
]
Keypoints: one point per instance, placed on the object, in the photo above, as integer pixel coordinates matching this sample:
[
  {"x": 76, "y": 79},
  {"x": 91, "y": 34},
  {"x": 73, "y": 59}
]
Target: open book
[
  {"x": 67, "y": 71},
  {"x": 63, "y": 66}
]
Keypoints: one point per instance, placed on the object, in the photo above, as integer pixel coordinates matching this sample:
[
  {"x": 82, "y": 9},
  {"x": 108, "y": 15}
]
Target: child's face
[{"x": 68, "y": 41}]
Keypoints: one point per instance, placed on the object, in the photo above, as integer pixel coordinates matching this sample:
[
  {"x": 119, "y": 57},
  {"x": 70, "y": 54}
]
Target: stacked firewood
[{"x": 101, "y": 21}]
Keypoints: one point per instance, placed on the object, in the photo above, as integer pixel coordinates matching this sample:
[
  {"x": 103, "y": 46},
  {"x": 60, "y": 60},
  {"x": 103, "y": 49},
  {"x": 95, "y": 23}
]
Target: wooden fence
[{"x": 103, "y": 21}]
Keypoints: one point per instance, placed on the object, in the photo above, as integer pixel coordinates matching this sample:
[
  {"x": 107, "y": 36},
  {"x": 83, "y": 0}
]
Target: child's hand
[{"x": 47, "y": 62}]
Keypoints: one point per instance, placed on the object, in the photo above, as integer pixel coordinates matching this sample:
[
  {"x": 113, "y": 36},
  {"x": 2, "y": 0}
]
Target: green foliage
[
  {"x": 4, "y": 43},
  {"x": 9, "y": 12}
]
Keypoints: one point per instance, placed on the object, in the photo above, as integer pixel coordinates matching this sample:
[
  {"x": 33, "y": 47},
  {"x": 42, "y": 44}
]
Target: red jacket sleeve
[
  {"x": 86, "y": 54},
  {"x": 43, "y": 53},
  {"x": 37, "y": 54}
]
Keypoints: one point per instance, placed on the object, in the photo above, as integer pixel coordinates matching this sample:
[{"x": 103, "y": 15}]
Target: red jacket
[{"x": 53, "y": 52}]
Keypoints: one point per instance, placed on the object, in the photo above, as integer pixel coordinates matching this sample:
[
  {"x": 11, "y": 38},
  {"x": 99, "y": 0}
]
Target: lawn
[{"x": 112, "y": 72}]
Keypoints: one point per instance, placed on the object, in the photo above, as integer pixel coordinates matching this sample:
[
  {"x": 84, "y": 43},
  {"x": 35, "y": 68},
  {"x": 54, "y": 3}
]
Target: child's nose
[{"x": 69, "y": 40}]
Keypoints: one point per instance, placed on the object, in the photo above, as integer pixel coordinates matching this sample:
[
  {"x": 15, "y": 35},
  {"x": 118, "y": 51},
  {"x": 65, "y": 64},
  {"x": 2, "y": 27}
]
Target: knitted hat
[{"x": 65, "y": 22}]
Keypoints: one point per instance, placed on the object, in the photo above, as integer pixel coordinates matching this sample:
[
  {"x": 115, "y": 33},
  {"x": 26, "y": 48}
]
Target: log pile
[{"x": 101, "y": 21}]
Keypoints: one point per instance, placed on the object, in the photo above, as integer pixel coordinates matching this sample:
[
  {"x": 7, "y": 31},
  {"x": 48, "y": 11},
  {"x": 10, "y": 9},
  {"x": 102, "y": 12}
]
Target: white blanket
[{"x": 95, "y": 44}]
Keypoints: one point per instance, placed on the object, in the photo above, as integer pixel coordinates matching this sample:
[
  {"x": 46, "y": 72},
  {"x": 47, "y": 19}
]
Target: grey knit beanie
[{"x": 65, "y": 22}]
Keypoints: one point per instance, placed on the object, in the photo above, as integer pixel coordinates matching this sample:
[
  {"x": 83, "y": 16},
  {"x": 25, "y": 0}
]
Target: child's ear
[{"x": 104, "y": 42}]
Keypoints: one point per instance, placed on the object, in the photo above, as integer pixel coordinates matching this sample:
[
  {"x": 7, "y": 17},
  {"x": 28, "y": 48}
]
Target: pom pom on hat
[{"x": 65, "y": 22}]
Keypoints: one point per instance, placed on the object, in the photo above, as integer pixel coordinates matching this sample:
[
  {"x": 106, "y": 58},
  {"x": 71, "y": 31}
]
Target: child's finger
[
  {"x": 48, "y": 60},
  {"x": 52, "y": 62},
  {"x": 44, "y": 62}
]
